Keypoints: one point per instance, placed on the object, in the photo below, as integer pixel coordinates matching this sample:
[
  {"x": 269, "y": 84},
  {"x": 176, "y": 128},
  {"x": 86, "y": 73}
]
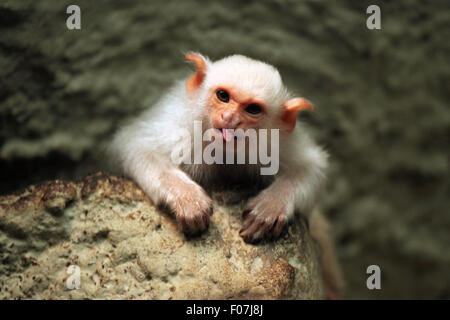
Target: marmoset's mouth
[{"x": 227, "y": 134}]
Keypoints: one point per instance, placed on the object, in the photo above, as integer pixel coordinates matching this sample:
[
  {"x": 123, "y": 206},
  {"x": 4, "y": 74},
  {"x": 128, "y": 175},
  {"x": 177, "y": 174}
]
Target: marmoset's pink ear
[
  {"x": 291, "y": 107},
  {"x": 197, "y": 78}
]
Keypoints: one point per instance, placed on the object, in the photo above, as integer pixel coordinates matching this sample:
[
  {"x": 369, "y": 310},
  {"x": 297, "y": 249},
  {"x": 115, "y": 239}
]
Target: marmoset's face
[{"x": 231, "y": 108}]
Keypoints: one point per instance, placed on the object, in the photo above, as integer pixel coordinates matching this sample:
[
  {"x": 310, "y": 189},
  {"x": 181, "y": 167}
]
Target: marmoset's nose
[
  {"x": 230, "y": 119},
  {"x": 226, "y": 116}
]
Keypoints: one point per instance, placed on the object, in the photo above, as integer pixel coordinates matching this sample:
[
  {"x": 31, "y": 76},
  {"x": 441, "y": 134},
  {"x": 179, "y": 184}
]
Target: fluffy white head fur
[{"x": 257, "y": 78}]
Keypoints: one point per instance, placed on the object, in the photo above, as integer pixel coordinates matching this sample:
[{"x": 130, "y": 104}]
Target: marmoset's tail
[{"x": 331, "y": 271}]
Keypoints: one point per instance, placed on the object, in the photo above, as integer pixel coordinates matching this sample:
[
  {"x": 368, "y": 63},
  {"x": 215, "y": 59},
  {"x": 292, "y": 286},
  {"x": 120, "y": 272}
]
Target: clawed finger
[
  {"x": 278, "y": 227},
  {"x": 255, "y": 229},
  {"x": 193, "y": 224}
]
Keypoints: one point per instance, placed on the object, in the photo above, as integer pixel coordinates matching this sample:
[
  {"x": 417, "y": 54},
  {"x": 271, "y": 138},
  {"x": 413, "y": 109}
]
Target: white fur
[{"x": 143, "y": 148}]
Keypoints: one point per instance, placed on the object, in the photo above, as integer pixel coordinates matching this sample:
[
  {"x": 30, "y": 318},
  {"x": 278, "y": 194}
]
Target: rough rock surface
[{"x": 127, "y": 249}]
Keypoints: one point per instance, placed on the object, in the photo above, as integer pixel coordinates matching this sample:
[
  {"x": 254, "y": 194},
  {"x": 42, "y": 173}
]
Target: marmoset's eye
[
  {"x": 222, "y": 95},
  {"x": 254, "y": 108}
]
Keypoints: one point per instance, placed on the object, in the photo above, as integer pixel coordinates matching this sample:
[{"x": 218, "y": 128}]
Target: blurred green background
[{"x": 381, "y": 101}]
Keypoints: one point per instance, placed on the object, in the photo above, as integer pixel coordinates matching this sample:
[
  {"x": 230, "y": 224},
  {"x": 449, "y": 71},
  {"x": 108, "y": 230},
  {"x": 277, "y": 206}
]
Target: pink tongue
[{"x": 227, "y": 134}]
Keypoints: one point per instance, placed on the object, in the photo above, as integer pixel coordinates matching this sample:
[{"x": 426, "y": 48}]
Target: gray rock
[{"x": 127, "y": 249}]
